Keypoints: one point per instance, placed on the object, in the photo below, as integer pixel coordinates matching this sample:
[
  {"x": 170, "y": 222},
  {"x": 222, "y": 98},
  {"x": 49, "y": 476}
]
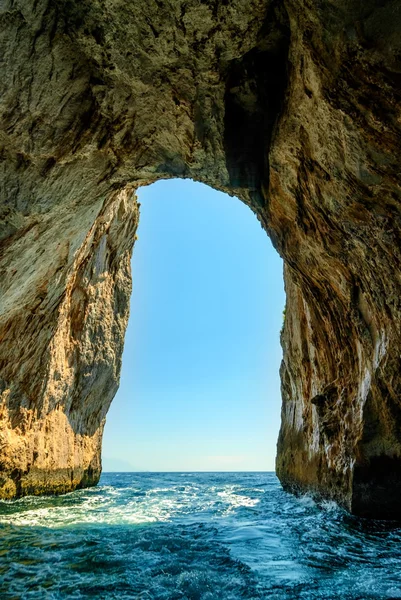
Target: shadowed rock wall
[{"x": 295, "y": 109}]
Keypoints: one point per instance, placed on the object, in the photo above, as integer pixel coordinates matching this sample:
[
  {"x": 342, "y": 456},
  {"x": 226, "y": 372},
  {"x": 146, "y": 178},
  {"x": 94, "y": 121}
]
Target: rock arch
[{"x": 295, "y": 109}]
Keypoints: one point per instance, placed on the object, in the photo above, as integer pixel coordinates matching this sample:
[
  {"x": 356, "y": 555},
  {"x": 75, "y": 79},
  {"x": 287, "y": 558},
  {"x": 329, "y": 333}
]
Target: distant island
[{"x": 117, "y": 465}]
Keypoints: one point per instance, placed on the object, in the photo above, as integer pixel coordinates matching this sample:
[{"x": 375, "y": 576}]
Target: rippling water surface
[{"x": 200, "y": 536}]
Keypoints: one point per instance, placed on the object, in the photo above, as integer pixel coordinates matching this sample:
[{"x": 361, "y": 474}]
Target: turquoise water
[{"x": 199, "y": 536}]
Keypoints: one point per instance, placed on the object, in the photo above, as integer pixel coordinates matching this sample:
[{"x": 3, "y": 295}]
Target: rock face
[{"x": 294, "y": 107}]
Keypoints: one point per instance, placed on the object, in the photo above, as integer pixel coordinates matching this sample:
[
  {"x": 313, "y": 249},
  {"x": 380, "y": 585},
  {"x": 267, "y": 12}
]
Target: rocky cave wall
[{"x": 294, "y": 107}]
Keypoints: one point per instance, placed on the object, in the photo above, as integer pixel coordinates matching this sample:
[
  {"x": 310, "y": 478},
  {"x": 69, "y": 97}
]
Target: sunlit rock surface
[{"x": 294, "y": 107}]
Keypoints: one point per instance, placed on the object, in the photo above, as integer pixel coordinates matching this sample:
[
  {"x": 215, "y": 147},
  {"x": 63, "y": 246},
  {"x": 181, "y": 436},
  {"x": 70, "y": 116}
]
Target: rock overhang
[{"x": 293, "y": 108}]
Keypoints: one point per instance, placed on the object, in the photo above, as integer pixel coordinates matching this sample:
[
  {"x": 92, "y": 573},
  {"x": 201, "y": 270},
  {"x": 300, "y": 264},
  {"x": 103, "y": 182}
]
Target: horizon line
[{"x": 198, "y": 471}]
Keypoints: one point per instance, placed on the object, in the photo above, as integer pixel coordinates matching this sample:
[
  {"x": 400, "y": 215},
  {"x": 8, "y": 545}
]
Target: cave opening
[{"x": 200, "y": 388}]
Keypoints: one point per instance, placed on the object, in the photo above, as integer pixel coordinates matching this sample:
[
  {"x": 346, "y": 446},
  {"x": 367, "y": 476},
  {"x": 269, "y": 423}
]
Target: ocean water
[{"x": 193, "y": 536}]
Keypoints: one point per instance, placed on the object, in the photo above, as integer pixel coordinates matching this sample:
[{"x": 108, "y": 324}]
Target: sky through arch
[{"x": 200, "y": 387}]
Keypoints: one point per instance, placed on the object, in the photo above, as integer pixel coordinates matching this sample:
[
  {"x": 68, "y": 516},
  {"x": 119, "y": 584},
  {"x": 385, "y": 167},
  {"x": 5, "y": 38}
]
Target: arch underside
[{"x": 293, "y": 108}]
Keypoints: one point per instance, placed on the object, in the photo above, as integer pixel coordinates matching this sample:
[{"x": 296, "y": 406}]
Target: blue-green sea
[{"x": 193, "y": 536}]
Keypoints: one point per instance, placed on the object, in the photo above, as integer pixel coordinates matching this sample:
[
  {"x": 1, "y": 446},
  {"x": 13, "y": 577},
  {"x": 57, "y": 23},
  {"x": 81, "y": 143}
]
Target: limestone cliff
[{"x": 293, "y": 107}]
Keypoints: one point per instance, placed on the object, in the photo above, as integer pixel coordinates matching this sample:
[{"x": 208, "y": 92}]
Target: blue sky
[{"x": 199, "y": 388}]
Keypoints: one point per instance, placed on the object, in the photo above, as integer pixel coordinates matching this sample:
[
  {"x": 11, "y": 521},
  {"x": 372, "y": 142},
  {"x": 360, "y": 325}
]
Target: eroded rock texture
[{"x": 294, "y": 107}]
